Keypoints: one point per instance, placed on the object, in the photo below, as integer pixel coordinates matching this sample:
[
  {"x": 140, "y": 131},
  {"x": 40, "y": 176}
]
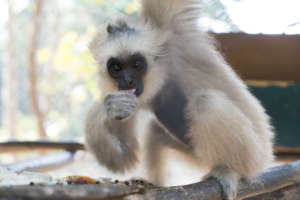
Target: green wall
[{"x": 283, "y": 105}]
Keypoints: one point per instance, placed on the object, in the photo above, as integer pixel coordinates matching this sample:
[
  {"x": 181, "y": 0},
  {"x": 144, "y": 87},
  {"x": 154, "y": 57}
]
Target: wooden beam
[
  {"x": 262, "y": 57},
  {"x": 21, "y": 146}
]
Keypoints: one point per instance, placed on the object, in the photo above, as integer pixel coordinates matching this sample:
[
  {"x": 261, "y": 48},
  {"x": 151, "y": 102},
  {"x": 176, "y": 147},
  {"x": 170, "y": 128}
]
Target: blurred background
[{"x": 48, "y": 78}]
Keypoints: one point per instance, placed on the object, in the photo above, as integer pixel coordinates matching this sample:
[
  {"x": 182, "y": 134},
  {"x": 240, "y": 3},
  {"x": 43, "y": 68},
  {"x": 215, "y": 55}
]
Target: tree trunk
[
  {"x": 49, "y": 70},
  {"x": 33, "y": 68},
  {"x": 10, "y": 77}
]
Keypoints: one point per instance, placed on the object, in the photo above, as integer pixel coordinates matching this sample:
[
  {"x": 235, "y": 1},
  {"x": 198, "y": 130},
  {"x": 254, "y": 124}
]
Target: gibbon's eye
[
  {"x": 114, "y": 68},
  {"x": 140, "y": 62},
  {"x": 138, "y": 65}
]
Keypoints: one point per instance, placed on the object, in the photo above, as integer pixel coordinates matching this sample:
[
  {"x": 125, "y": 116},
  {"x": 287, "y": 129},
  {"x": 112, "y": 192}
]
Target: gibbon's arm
[{"x": 108, "y": 137}]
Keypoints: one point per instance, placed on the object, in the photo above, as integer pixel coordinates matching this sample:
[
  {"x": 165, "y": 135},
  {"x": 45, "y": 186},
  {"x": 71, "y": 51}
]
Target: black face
[{"x": 128, "y": 72}]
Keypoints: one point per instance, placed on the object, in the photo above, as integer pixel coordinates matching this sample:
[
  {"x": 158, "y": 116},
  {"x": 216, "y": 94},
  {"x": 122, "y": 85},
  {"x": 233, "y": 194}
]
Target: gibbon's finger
[
  {"x": 120, "y": 104},
  {"x": 119, "y": 114},
  {"x": 120, "y": 94},
  {"x": 122, "y": 107},
  {"x": 120, "y": 99}
]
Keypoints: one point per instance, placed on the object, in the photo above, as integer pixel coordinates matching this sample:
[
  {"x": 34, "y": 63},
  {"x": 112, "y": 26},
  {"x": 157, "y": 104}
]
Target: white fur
[{"x": 230, "y": 132}]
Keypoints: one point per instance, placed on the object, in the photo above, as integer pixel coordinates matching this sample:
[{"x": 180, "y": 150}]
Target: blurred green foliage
[{"x": 67, "y": 73}]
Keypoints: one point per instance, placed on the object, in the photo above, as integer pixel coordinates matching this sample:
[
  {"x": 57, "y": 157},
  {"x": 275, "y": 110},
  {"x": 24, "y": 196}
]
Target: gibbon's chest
[{"x": 169, "y": 108}]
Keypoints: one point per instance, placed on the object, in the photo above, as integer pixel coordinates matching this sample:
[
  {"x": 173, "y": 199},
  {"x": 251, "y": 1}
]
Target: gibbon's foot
[{"x": 228, "y": 181}]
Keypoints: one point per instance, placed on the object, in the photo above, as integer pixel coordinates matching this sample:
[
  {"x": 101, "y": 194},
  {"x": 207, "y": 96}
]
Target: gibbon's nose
[{"x": 129, "y": 79}]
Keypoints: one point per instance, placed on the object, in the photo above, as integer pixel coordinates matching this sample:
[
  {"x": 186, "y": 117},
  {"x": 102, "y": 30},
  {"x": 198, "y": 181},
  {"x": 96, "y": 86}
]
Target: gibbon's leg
[
  {"x": 155, "y": 162},
  {"x": 223, "y": 139},
  {"x": 228, "y": 180},
  {"x": 159, "y": 140}
]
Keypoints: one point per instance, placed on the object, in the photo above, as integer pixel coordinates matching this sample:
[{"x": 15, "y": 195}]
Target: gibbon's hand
[{"x": 119, "y": 105}]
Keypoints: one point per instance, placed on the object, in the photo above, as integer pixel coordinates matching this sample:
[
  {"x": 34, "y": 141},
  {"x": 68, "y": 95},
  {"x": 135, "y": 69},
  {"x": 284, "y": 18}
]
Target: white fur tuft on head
[{"x": 119, "y": 37}]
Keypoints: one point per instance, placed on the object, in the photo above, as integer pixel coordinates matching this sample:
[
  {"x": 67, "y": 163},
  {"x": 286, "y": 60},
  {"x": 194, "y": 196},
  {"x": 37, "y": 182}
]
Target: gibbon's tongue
[{"x": 132, "y": 91}]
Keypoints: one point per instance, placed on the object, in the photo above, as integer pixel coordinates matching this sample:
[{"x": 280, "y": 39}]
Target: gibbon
[{"x": 162, "y": 68}]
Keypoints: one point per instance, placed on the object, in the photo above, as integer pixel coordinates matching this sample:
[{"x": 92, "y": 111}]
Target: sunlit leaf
[
  {"x": 64, "y": 58},
  {"x": 78, "y": 94},
  {"x": 99, "y": 1},
  {"x": 43, "y": 55},
  {"x": 131, "y": 7},
  {"x": 93, "y": 88}
]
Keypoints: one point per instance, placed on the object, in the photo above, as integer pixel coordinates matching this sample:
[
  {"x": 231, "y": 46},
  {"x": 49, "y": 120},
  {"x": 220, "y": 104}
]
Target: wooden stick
[
  {"x": 286, "y": 150},
  {"x": 273, "y": 179},
  {"x": 17, "y": 146},
  {"x": 42, "y": 162}
]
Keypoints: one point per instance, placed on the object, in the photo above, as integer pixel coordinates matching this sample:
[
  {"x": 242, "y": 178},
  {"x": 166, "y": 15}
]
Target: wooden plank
[
  {"x": 262, "y": 57},
  {"x": 25, "y": 146}
]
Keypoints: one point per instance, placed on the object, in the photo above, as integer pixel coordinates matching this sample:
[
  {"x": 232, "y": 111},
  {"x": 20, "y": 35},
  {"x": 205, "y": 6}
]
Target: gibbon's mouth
[
  {"x": 136, "y": 91},
  {"x": 132, "y": 91}
]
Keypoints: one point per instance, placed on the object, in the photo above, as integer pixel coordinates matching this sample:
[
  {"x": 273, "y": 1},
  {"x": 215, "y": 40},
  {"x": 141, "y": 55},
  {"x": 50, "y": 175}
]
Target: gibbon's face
[
  {"x": 128, "y": 72},
  {"x": 127, "y": 53}
]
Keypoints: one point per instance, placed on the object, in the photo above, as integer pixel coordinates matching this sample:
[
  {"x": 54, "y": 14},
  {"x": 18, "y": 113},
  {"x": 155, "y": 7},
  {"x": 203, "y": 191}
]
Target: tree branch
[
  {"x": 273, "y": 179},
  {"x": 276, "y": 183}
]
